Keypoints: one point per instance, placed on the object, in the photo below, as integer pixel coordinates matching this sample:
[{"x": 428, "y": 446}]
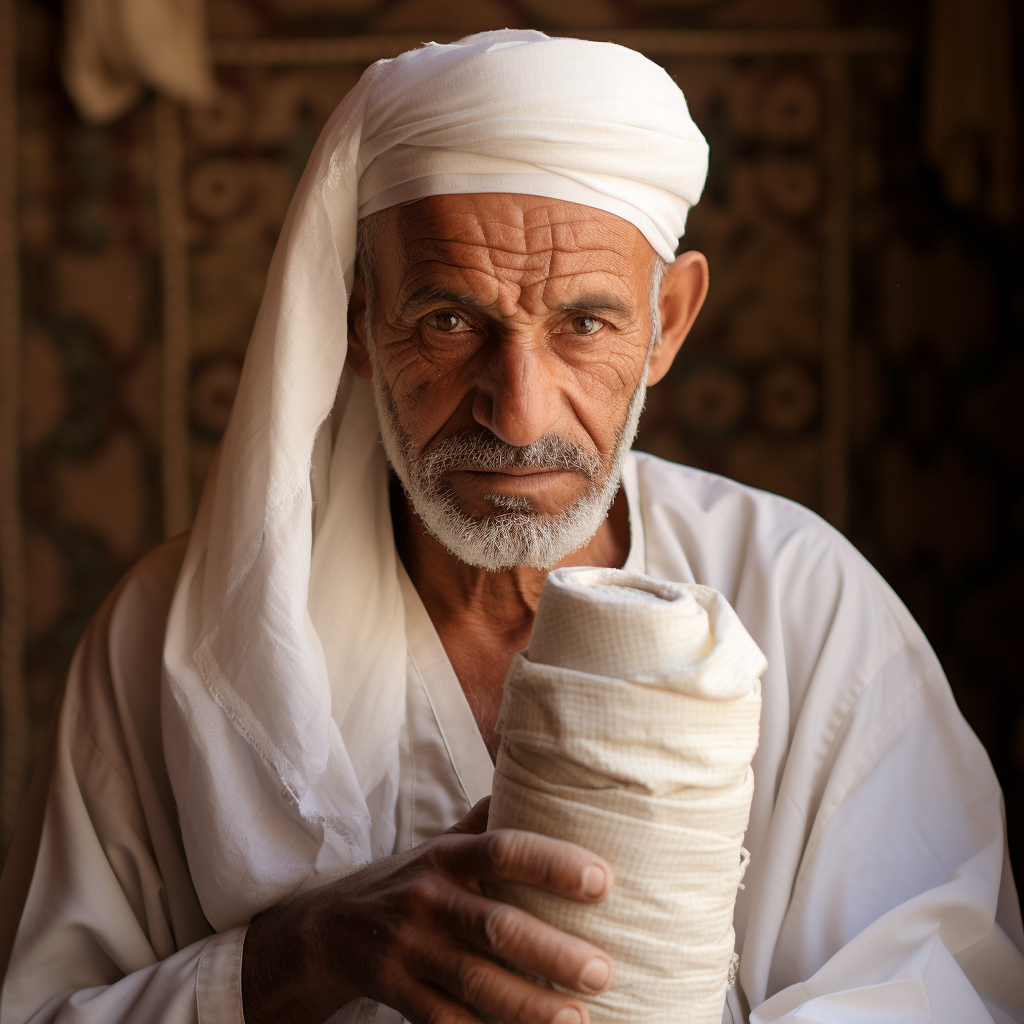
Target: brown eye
[
  {"x": 586, "y": 325},
  {"x": 447, "y": 322}
]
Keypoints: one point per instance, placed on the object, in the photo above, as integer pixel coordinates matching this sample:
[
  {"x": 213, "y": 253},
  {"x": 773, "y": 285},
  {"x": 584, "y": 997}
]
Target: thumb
[{"x": 475, "y": 822}]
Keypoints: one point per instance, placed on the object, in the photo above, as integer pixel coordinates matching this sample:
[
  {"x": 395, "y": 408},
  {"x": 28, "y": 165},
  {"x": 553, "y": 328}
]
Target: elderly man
[{"x": 258, "y": 800}]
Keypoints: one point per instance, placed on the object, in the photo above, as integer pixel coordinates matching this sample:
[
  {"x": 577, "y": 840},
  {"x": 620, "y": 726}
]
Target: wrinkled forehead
[{"x": 510, "y": 231}]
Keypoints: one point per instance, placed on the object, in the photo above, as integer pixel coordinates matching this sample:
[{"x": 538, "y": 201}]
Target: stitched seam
[{"x": 437, "y": 718}]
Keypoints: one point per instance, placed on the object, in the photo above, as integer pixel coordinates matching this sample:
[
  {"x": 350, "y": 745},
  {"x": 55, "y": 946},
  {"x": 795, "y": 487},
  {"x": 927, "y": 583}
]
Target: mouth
[
  {"x": 515, "y": 480},
  {"x": 544, "y": 490},
  {"x": 513, "y": 471}
]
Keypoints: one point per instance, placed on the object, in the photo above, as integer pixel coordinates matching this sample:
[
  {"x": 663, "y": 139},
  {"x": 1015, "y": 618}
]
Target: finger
[
  {"x": 475, "y": 822},
  {"x": 498, "y": 993},
  {"x": 502, "y": 930},
  {"x": 512, "y": 855},
  {"x": 421, "y": 1003}
]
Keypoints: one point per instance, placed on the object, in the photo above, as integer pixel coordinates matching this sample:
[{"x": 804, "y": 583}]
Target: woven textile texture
[{"x": 628, "y": 726}]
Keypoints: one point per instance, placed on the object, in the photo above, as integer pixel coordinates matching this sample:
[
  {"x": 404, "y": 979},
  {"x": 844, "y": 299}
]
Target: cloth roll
[{"x": 628, "y": 726}]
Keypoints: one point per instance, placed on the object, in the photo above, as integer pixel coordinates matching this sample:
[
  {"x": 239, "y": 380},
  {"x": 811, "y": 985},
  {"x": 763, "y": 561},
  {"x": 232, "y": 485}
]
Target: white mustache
[{"x": 483, "y": 451}]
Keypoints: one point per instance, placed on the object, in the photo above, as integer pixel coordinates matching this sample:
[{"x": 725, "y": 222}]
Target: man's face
[{"x": 501, "y": 322}]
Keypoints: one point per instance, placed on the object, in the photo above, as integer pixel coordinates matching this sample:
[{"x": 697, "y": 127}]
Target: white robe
[{"x": 879, "y": 886}]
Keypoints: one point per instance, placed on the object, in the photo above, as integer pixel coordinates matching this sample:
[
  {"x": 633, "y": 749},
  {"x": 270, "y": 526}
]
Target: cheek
[
  {"x": 606, "y": 363},
  {"x": 602, "y": 389},
  {"x": 404, "y": 367},
  {"x": 427, "y": 389}
]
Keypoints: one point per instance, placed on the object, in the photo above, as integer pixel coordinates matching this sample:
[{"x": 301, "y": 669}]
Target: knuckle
[
  {"x": 436, "y": 856},
  {"x": 551, "y": 872},
  {"x": 435, "y": 852},
  {"x": 501, "y": 927},
  {"x": 523, "y": 1010},
  {"x": 425, "y": 892},
  {"x": 422, "y": 893},
  {"x": 504, "y": 848},
  {"x": 473, "y": 981}
]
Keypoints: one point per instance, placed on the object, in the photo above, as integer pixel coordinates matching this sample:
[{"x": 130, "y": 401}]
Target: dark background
[{"x": 936, "y": 372}]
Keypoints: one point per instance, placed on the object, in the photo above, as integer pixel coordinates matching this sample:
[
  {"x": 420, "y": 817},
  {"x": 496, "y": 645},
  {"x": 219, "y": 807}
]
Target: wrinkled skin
[{"x": 521, "y": 316}]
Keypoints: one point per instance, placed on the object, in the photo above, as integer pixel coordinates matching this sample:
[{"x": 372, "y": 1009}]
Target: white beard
[{"x": 515, "y": 534}]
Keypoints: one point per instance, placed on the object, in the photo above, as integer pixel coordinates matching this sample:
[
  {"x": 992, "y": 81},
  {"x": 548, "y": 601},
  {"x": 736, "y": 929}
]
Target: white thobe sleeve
[
  {"x": 100, "y": 920},
  {"x": 895, "y": 903}
]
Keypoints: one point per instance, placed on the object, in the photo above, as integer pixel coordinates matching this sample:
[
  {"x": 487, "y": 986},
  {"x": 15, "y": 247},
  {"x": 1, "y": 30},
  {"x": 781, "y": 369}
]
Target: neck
[{"x": 483, "y": 618}]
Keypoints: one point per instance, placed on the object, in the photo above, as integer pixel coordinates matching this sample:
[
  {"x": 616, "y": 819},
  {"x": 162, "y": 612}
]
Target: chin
[{"x": 517, "y": 535}]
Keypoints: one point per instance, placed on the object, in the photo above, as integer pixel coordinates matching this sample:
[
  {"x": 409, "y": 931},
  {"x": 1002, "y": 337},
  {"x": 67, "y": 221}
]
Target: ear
[
  {"x": 358, "y": 358},
  {"x": 683, "y": 290}
]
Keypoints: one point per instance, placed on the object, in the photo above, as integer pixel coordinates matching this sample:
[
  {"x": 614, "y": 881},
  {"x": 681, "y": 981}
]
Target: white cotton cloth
[
  {"x": 628, "y": 727},
  {"x": 284, "y": 671}
]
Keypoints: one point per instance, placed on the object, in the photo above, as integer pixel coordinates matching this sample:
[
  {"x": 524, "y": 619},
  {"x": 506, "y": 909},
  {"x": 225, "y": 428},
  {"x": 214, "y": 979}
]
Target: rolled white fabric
[{"x": 628, "y": 726}]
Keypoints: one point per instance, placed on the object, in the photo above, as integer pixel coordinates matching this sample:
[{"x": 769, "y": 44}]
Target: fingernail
[
  {"x": 595, "y": 975},
  {"x": 593, "y": 881},
  {"x": 567, "y": 1015}
]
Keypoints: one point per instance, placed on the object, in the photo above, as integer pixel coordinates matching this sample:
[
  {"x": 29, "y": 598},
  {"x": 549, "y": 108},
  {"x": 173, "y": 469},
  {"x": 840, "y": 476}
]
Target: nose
[{"x": 517, "y": 395}]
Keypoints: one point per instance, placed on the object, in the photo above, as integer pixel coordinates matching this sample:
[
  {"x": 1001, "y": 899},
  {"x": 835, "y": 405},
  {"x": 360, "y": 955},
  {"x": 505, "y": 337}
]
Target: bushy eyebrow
[
  {"x": 431, "y": 293},
  {"x": 594, "y": 303},
  {"x": 599, "y": 303}
]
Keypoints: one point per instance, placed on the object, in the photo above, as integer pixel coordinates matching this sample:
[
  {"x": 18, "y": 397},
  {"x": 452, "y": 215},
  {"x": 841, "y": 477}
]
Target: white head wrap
[{"x": 285, "y": 655}]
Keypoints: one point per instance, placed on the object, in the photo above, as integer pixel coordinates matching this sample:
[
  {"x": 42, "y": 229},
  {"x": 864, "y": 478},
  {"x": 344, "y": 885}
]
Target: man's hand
[{"x": 416, "y": 933}]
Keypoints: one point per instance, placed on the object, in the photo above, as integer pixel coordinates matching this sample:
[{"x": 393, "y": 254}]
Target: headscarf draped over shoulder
[{"x": 285, "y": 653}]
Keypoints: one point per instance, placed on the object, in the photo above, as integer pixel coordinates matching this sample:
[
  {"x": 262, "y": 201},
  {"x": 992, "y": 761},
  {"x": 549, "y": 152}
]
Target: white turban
[{"x": 285, "y": 652}]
